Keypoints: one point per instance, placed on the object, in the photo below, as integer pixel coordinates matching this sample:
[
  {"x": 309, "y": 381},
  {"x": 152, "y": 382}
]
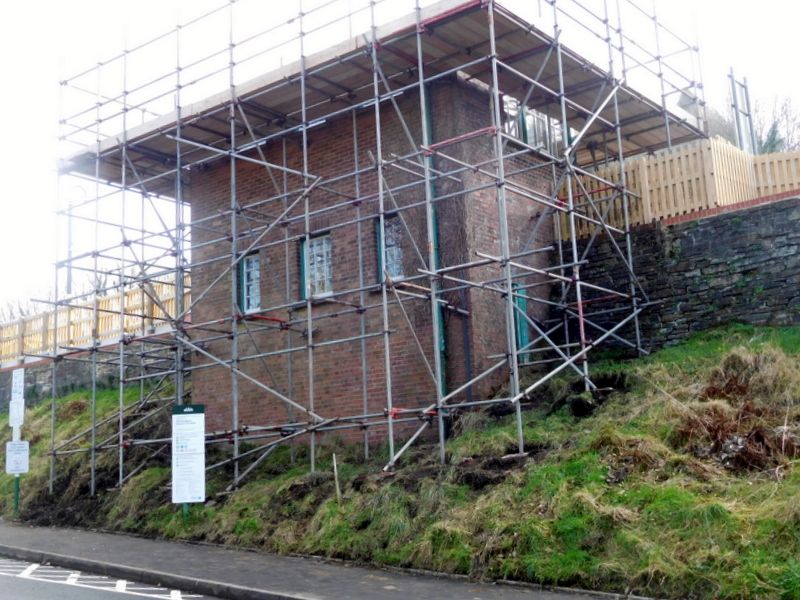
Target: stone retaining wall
[{"x": 740, "y": 266}]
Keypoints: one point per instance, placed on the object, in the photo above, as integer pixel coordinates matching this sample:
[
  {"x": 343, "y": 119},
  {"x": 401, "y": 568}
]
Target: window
[
  {"x": 316, "y": 269},
  {"x": 533, "y": 127},
  {"x": 249, "y": 284},
  {"x": 393, "y": 247}
]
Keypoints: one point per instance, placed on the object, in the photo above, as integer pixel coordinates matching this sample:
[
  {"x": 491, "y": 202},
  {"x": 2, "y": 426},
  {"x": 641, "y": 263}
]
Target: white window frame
[
  {"x": 393, "y": 247},
  {"x": 318, "y": 267},
  {"x": 250, "y": 283}
]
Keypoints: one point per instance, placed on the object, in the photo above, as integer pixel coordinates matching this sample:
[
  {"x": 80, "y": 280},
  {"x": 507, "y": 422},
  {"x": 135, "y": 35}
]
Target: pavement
[{"x": 243, "y": 575}]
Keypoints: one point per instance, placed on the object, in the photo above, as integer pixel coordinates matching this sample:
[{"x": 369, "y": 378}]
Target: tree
[
  {"x": 15, "y": 310},
  {"x": 778, "y": 129},
  {"x": 772, "y": 141}
]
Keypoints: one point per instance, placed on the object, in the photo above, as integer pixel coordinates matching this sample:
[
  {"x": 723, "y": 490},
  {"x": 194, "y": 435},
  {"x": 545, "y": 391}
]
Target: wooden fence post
[
  {"x": 45, "y": 333},
  {"x": 644, "y": 190},
  {"x": 21, "y": 340},
  {"x": 707, "y": 157}
]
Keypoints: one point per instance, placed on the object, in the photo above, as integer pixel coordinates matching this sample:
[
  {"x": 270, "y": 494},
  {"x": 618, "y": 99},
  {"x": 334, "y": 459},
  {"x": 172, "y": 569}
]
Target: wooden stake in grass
[{"x": 336, "y": 480}]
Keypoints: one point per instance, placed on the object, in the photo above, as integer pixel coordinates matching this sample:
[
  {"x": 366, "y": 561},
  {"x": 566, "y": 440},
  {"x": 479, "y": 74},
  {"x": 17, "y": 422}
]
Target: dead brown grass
[
  {"x": 766, "y": 375},
  {"x": 746, "y": 416}
]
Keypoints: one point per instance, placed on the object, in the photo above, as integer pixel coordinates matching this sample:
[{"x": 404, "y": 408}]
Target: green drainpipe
[{"x": 432, "y": 185}]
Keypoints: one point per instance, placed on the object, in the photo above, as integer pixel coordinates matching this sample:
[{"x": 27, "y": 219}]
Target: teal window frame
[
  {"x": 249, "y": 283},
  {"x": 521, "y": 325}
]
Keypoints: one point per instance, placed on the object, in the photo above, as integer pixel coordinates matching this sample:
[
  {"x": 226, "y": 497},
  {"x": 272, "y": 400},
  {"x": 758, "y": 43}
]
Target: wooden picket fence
[
  {"x": 777, "y": 173},
  {"x": 78, "y": 324},
  {"x": 676, "y": 181},
  {"x": 684, "y": 179}
]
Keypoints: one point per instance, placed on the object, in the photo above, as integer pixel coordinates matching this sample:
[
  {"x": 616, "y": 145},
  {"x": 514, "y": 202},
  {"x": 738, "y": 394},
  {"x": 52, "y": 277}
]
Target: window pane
[
  {"x": 394, "y": 249},
  {"x": 318, "y": 266},
  {"x": 251, "y": 284}
]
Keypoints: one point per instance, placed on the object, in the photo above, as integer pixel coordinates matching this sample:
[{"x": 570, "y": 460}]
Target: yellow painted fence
[
  {"x": 680, "y": 180},
  {"x": 79, "y": 323},
  {"x": 685, "y": 179}
]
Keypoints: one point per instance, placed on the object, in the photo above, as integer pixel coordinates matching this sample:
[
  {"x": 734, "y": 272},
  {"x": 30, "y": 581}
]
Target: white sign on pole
[
  {"x": 16, "y": 408},
  {"x": 16, "y": 413},
  {"x": 17, "y": 458},
  {"x": 188, "y": 453},
  {"x": 17, "y": 384}
]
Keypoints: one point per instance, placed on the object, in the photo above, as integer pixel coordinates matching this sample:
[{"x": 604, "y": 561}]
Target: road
[{"x": 32, "y": 581}]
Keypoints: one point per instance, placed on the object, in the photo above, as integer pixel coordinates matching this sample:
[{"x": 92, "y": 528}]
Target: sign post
[
  {"x": 16, "y": 408},
  {"x": 17, "y": 462},
  {"x": 17, "y": 451},
  {"x": 188, "y": 455}
]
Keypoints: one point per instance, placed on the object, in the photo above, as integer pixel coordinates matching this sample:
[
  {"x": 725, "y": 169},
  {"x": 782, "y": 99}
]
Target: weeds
[{"x": 681, "y": 483}]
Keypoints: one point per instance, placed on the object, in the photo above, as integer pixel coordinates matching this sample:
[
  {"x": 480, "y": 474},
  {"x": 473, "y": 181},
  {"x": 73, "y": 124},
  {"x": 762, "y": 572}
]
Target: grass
[{"x": 648, "y": 495}]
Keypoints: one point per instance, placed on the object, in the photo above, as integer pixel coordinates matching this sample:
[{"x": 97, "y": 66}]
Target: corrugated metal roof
[{"x": 456, "y": 37}]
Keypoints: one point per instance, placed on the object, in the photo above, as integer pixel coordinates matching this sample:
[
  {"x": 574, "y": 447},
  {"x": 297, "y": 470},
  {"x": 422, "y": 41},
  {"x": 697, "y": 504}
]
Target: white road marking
[
  {"x": 46, "y": 573},
  {"x": 29, "y": 570}
]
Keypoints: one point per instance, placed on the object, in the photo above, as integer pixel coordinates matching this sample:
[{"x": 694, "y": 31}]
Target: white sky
[{"x": 42, "y": 41}]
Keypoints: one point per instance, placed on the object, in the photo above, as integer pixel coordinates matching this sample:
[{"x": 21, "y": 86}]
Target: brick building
[
  {"x": 277, "y": 276},
  {"x": 377, "y": 226}
]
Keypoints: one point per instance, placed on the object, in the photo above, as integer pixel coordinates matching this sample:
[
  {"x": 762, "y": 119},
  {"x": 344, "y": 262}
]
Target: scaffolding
[{"x": 143, "y": 139}]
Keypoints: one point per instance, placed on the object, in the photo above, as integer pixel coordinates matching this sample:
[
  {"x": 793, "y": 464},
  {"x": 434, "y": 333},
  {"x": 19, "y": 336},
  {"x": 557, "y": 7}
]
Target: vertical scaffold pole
[
  {"x": 287, "y": 274},
  {"x": 612, "y": 70},
  {"x": 387, "y": 361},
  {"x": 660, "y": 63},
  {"x": 54, "y": 367},
  {"x": 179, "y": 229},
  {"x": 362, "y": 298},
  {"x": 431, "y": 224},
  {"x": 566, "y": 164},
  {"x": 312, "y": 440},
  {"x": 123, "y": 245},
  {"x": 234, "y": 208},
  {"x": 95, "y": 300},
  {"x": 502, "y": 216}
]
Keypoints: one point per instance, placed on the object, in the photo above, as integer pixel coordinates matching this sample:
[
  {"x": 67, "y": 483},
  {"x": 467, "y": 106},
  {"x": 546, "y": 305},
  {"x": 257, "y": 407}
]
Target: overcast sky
[{"x": 42, "y": 41}]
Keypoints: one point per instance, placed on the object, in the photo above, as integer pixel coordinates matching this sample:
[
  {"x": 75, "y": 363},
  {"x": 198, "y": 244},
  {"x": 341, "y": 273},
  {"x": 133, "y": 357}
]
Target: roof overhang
[{"x": 455, "y": 39}]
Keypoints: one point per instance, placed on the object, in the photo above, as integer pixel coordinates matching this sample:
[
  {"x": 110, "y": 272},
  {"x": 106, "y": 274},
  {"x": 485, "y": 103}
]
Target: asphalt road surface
[{"x": 20, "y": 580}]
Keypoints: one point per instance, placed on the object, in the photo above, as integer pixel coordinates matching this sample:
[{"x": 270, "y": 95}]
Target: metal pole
[
  {"x": 362, "y": 300},
  {"x": 123, "y": 245},
  {"x": 624, "y": 192},
  {"x": 570, "y": 200},
  {"x": 54, "y": 366},
  {"x": 431, "y": 224},
  {"x": 502, "y": 216},
  {"x": 234, "y": 296},
  {"x": 387, "y": 361},
  {"x": 312, "y": 440},
  {"x": 16, "y": 495},
  {"x": 179, "y": 231},
  {"x": 659, "y": 62},
  {"x": 288, "y": 295},
  {"x": 96, "y": 284}
]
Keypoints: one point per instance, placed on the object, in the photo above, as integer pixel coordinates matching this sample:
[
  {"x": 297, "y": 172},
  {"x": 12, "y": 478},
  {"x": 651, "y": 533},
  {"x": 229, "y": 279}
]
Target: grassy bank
[{"x": 682, "y": 483}]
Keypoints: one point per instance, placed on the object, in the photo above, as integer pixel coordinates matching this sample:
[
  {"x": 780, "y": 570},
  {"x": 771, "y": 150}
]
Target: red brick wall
[{"x": 467, "y": 222}]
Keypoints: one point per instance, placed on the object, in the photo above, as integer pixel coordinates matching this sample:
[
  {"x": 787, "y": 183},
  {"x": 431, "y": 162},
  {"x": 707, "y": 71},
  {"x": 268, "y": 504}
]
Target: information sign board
[
  {"x": 188, "y": 453},
  {"x": 17, "y": 458}
]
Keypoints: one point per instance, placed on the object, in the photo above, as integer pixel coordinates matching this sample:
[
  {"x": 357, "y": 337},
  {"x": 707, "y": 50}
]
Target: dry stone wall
[{"x": 741, "y": 266}]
